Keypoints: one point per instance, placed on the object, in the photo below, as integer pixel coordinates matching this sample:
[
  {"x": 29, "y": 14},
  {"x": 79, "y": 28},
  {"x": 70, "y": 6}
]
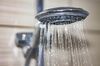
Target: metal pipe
[
  {"x": 37, "y": 35},
  {"x": 34, "y": 47}
]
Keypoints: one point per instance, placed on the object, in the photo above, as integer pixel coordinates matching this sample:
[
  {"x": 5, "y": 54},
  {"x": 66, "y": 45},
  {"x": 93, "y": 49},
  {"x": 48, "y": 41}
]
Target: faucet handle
[{"x": 24, "y": 39}]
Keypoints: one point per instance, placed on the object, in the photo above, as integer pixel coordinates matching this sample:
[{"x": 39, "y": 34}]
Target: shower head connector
[{"x": 62, "y": 15}]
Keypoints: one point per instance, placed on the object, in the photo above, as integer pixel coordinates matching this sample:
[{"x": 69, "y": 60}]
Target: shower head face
[{"x": 62, "y": 15}]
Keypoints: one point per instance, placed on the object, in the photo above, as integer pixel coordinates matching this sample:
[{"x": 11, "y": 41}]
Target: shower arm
[{"x": 34, "y": 46}]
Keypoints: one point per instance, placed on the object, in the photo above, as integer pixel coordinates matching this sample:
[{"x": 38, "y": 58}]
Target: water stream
[{"x": 63, "y": 45}]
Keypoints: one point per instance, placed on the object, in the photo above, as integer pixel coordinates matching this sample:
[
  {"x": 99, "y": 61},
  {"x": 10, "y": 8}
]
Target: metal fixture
[
  {"x": 62, "y": 15},
  {"x": 24, "y": 40}
]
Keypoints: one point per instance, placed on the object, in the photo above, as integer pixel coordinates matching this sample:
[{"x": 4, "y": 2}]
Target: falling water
[{"x": 64, "y": 45}]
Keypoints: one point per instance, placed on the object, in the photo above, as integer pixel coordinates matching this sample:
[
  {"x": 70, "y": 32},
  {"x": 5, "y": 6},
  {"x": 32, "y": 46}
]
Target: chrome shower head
[{"x": 62, "y": 15}]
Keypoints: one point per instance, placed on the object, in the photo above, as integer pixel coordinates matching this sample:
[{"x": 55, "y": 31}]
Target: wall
[{"x": 15, "y": 16}]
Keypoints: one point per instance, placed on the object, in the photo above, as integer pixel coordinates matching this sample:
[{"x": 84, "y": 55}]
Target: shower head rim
[{"x": 62, "y": 11}]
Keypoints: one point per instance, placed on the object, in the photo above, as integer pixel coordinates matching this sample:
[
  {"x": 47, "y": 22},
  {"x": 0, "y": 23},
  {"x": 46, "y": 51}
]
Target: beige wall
[
  {"x": 15, "y": 16},
  {"x": 17, "y": 12},
  {"x": 57, "y": 3}
]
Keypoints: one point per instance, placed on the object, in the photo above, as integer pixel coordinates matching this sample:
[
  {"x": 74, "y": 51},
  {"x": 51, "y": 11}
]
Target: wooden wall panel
[
  {"x": 17, "y": 12},
  {"x": 57, "y": 3}
]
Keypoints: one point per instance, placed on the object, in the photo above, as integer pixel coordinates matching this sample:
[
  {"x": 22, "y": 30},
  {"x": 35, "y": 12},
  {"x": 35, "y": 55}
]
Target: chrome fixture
[{"x": 62, "y": 15}]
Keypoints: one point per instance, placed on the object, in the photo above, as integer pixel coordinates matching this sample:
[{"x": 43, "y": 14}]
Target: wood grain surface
[{"x": 17, "y": 12}]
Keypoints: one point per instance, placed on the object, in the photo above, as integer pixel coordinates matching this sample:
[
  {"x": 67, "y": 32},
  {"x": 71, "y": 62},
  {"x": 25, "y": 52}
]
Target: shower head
[{"x": 62, "y": 15}]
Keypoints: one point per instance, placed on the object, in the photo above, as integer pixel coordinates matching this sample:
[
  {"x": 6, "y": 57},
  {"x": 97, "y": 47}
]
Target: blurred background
[{"x": 19, "y": 16}]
